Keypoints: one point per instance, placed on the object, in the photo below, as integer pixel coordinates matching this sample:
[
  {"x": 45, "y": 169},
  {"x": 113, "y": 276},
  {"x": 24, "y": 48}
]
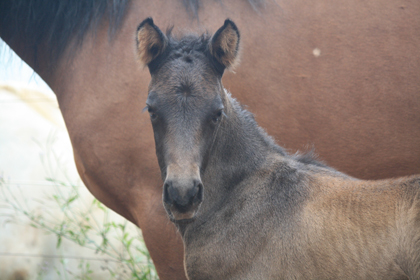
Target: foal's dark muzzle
[{"x": 182, "y": 198}]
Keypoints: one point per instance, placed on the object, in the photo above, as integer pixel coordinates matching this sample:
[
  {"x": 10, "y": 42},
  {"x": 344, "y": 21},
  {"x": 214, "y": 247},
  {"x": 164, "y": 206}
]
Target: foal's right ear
[
  {"x": 224, "y": 45},
  {"x": 151, "y": 42}
]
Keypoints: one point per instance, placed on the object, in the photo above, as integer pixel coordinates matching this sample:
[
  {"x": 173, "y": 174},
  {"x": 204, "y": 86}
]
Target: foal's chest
[{"x": 241, "y": 248}]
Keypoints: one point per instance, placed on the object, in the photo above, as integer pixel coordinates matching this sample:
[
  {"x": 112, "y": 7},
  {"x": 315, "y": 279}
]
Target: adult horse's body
[
  {"x": 244, "y": 207},
  {"x": 344, "y": 77}
]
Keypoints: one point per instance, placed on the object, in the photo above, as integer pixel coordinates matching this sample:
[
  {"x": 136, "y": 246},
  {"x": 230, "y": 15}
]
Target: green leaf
[
  {"x": 58, "y": 241},
  {"x": 70, "y": 200}
]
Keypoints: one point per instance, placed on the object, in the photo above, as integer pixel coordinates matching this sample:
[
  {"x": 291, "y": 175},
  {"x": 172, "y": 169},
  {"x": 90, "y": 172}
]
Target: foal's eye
[
  {"x": 152, "y": 114},
  {"x": 217, "y": 117}
]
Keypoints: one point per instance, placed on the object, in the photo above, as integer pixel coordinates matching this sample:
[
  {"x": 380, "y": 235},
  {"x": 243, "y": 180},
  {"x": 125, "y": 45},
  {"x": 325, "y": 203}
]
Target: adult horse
[
  {"x": 245, "y": 208},
  {"x": 343, "y": 77}
]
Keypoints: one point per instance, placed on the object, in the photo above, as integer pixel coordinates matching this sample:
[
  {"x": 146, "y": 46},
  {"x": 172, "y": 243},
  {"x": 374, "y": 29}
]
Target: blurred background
[{"x": 51, "y": 227}]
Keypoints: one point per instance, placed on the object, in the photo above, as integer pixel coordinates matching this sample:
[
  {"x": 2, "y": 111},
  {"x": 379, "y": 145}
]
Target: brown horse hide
[{"x": 340, "y": 76}]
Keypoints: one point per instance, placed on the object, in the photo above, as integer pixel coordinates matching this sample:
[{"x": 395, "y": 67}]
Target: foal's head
[{"x": 185, "y": 104}]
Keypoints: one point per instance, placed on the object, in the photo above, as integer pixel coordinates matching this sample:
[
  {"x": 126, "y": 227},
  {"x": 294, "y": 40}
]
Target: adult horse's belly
[{"x": 341, "y": 77}]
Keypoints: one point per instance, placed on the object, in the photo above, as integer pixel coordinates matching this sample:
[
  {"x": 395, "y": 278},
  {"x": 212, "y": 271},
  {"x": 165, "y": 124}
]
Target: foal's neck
[{"x": 240, "y": 147}]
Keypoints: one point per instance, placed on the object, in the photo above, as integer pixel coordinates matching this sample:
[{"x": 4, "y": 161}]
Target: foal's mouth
[
  {"x": 183, "y": 221},
  {"x": 178, "y": 217}
]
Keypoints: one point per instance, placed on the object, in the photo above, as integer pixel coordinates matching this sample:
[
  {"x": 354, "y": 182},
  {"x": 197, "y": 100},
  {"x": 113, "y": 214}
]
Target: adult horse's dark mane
[{"x": 51, "y": 25}]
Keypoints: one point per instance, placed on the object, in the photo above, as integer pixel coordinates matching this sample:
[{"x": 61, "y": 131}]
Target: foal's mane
[
  {"x": 181, "y": 47},
  {"x": 309, "y": 157}
]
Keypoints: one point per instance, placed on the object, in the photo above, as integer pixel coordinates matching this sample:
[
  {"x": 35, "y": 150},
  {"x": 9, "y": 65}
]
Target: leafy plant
[{"x": 116, "y": 243}]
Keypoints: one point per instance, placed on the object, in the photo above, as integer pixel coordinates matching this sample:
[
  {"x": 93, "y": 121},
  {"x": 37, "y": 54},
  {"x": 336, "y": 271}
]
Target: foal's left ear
[
  {"x": 151, "y": 42},
  {"x": 224, "y": 45}
]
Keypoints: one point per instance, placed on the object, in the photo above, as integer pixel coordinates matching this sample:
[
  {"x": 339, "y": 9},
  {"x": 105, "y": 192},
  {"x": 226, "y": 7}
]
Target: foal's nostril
[
  {"x": 195, "y": 194},
  {"x": 166, "y": 196},
  {"x": 199, "y": 195},
  {"x": 191, "y": 194}
]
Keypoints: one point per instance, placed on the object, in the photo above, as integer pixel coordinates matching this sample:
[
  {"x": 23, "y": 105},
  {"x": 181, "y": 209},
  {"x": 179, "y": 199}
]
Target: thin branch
[{"x": 3, "y": 254}]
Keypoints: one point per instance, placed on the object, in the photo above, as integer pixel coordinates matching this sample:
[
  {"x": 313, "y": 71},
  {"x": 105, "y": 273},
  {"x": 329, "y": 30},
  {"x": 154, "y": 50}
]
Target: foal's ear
[
  {"x": 151, "y": 42},
  {"x": 224, "y": 45}
]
